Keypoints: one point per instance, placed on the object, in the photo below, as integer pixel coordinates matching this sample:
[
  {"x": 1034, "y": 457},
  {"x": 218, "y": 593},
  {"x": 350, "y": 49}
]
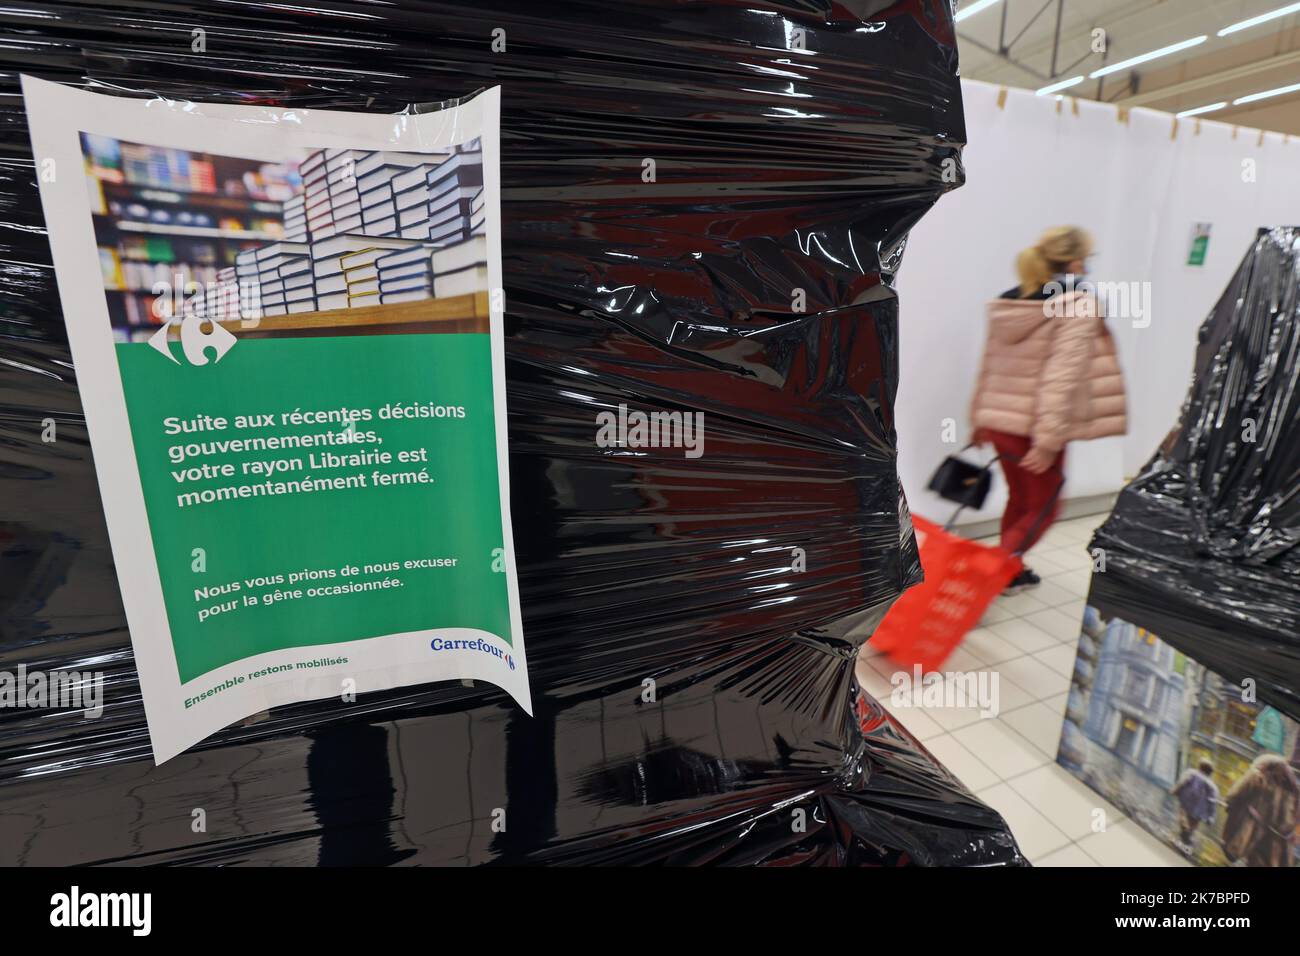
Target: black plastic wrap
[
  {"x": 796, "y": 143},
  {"x": 1201, "y": 547}
]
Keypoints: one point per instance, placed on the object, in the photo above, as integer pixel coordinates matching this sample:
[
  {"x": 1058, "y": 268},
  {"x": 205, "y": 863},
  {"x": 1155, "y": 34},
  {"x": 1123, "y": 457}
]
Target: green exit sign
[{"x": 1200, "y": 244}]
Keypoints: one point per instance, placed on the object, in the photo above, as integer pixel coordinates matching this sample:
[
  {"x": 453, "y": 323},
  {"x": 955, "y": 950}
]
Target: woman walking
[{"x": 1049, "y": 375}]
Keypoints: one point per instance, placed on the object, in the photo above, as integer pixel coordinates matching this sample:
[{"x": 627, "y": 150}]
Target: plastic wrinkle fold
[
  {"x": 1201, "y": 547},
  {"x": 794, "y": 144}
]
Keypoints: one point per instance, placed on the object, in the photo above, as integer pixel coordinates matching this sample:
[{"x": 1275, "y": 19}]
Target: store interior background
[
  {"x": 1111, "y": 155},
  {"x": 1125, "y": 168}
]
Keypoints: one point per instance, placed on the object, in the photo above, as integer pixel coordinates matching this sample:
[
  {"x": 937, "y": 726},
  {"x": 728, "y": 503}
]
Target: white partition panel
[{"x": 1140, "y": 183}]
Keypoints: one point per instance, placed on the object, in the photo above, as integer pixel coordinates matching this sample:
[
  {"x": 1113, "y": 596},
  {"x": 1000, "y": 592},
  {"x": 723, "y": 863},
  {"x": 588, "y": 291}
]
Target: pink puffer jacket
[{"x": 1049, "y": 372}]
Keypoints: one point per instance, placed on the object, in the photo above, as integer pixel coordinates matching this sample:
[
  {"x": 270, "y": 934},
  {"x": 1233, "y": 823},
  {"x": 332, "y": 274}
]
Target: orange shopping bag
[{"x": 962, "y": 579}]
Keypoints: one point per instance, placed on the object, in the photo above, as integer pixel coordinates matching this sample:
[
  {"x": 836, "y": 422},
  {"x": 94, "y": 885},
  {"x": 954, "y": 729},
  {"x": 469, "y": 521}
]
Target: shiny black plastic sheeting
[
  {"x": 795, "y": 143},
  {"x": 1201, "y": 547}
]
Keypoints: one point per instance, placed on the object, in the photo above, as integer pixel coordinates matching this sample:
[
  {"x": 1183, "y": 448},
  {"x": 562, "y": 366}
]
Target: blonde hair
[{"x": 1056, "y": 248}]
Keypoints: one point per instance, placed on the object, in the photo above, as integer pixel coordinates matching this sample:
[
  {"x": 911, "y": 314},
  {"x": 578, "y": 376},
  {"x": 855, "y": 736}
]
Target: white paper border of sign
[{"x": 57, "y": 115}]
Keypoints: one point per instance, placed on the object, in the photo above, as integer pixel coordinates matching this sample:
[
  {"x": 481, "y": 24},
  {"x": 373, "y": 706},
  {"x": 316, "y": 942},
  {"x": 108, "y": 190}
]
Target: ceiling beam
[
  {"x": 1032, "y": 20},
  {"x": 1212, "y": 79},
  {"x": 1004, "y": 58},
  {"x": 1056, "y": 40}
]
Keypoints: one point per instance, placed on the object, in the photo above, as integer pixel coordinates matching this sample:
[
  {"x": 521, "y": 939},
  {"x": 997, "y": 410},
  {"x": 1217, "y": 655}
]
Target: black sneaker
[{"x": 1023, "y": 581}]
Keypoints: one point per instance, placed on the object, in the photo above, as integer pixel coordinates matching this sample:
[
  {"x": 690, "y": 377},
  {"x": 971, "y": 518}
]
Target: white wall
[{"x": 1139, "y": 186}]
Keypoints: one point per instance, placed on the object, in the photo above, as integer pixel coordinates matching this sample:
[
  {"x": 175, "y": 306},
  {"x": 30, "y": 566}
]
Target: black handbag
[
  {"x": 967, "y": 485},
  {"x": 961, "y": 482}
]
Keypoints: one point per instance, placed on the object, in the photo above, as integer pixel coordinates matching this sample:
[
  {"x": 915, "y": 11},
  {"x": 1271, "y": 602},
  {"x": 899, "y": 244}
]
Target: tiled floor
[{"x": 1009, "y": 761}]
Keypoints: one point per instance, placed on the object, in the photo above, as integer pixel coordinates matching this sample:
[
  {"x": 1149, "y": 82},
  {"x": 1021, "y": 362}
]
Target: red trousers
[{"x": 1033, "y": 500}]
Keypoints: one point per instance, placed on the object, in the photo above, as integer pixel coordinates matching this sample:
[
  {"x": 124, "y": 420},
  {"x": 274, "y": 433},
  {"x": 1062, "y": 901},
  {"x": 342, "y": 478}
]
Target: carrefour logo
[
  {"x": 478, "y": 644},
  {"x": 191, "y": 306},
  {"x": 195, "y": 342}
]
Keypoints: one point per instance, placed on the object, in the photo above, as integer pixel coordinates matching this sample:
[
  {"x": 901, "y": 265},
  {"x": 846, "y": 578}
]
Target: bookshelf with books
[
  {"x": 342, "y": 229},
  {"x": 170, "y": 216}
]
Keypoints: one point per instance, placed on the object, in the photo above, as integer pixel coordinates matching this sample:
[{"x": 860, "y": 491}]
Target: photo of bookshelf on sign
[{"x": 339, "y": 241}]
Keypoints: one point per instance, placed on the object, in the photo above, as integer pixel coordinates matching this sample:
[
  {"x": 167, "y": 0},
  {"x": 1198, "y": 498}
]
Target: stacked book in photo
[
  {"x": 344, "y": 269},
  {"x": 373, "y": 227},
  {"x": 295, "y": 219},
  {"x": 282, "y": 272},
  {"x": 451, "y": 190},
  {"x": 217, "y": 300},
  {"x": 430, "y": 271},
  {"x": 332, "y": 199},
  {"x": 389, "y": 185}
]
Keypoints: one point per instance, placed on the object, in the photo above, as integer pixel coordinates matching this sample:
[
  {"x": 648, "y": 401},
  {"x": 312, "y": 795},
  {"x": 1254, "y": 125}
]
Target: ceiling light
[
  {"x": 1280, "y": 91},
  {"x": 972, "y": 9},
  {"x": 1201, "y": 109},
  {"x": 1063, "y": 85},
  {"x": 1163, "y": 51},
  {"x": 1262, "y": 18}
]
